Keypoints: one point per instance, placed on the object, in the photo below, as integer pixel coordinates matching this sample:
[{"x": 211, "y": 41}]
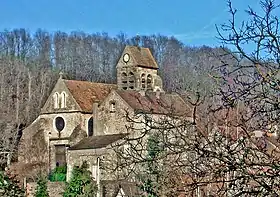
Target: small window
[
  {"x": 143, "y": 81},
  {"x": 56, "y": 100},
  {"x": 90, "y": 127},
  {"x": 124, "y": 80},
  {"x": 149, "y": 82},
  {"x": 131, "y": 78},
  {"x": 63, "y": 100},
  {"x": 112, "y": 106}
]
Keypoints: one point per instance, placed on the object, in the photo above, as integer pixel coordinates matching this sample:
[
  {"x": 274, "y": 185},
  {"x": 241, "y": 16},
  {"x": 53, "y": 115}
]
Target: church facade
[{"x": 80, "y": 119}]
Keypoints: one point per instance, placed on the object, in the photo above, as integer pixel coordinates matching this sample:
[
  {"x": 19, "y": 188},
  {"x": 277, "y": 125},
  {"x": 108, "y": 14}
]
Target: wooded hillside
[{"x": 30, "y": 63}]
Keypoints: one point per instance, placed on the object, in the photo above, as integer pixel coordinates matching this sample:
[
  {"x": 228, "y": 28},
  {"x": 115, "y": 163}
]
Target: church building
[{"x": 81, "y": 119}]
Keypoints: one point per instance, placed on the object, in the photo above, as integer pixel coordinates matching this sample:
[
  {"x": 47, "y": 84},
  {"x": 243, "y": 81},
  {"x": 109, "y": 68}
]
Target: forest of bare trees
[
  {"x": 229, "y": 147},
  {"x": 30, "y": 63}
]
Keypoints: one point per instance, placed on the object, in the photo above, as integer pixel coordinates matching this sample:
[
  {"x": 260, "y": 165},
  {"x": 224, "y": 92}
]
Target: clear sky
[{"x": 191, "y": 21}]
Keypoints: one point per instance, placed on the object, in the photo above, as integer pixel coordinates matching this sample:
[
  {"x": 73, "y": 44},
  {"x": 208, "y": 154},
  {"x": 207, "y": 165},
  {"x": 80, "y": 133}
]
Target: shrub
[
  {"x": 9, "y": 187},
  {"x": 41, "y": 189},
  {"x": 58, "y": 174},
  {"x": 81, "y": 183}
]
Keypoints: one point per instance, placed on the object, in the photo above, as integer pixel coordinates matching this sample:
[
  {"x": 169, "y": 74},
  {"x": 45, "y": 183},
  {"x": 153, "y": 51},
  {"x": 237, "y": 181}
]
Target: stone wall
[
  {"x": 77, "y": 157},
  {"x": 113, "y": 122}
]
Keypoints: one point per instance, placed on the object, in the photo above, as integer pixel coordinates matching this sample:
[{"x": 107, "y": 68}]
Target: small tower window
[
  {"x": 56, "y": 100},
  {"x": 124, "y": 80},
  {"x": 131, "y": 79},
  {"x": 143, "y": 81},
  {"x": 149, "y": 82},
  {"x": 63, "y": 100},
  {"x": 90, "y": 127},
  {"x": 112, "y": 106}
]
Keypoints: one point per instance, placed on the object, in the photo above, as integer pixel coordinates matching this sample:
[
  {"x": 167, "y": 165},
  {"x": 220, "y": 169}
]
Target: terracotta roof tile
[
  {"x": 142, "y": 56},
  {"x": 95, "y": 142},
  {"x": 86, "y": 93},
  {"x": 164, "y": 104}
]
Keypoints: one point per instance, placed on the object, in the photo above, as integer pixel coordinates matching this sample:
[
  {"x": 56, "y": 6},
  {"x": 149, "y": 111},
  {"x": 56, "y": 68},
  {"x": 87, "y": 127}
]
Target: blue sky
[{"x": 191, "y": 21}]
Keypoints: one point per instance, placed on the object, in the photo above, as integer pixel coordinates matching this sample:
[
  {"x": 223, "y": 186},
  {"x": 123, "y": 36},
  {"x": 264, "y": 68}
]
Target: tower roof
[{"x": 142, "y": 56}]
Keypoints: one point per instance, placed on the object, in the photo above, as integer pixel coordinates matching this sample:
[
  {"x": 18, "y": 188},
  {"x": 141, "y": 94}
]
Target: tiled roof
[
  {"x": 171, "y": 104},
  {"x": 142, "y": 56},
  {"x": 95, "y": 142},
  {"x": 86, "y": 93}
]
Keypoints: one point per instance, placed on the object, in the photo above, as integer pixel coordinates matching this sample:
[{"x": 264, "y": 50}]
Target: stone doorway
[{"x": 60, "y": 155}]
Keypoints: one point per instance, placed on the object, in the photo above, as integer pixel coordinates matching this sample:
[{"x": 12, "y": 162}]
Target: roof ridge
[
  {"x": 106, "y": 135},
  {"x": 137, "y": 46},
  {"x": 89, "y": 82}
]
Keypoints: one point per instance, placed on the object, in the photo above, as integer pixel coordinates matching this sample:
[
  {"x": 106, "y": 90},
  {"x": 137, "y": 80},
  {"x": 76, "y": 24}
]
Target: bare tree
[{"x": 231, "y": 147}]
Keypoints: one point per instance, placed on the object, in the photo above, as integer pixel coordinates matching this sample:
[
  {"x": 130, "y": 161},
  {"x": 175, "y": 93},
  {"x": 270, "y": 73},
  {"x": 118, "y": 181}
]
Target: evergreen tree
[
  {"x": 41, "y": 189},
  {"x": 81, "y": 183},
  {"x": 150, "y": 178}
]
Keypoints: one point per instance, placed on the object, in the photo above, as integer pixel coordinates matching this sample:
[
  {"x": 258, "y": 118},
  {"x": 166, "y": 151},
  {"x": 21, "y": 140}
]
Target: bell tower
[{"x": 137, "y": 70}]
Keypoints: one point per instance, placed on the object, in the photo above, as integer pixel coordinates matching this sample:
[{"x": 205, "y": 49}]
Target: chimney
[{"x": 95, "y": 117}]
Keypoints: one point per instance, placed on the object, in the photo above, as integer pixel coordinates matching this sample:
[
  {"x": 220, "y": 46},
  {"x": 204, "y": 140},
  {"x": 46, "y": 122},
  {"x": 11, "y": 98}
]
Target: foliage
[
  {"x": 58, "y": 174},
  {"x": 8, "y": 187},
  {"x": 41, "y": 189},
  {"x": 81, "y": 183},
  {"x": 149, "y": 178}
]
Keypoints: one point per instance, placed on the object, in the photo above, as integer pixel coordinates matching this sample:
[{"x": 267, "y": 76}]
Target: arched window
[
  {"x": 124, "y": 80},
  {"x": 143, "y": 81},
  {"x": 131, "y": 79},
  {"x": 90, "y": 127},
  {"x": 56, "y": 100},
  {"x": 63, "y": 100},
  {"x": 149, "y": 82}
]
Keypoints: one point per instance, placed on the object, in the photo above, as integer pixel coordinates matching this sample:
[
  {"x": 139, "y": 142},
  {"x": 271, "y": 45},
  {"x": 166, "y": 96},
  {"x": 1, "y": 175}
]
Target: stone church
[{"x": 80, "y": 119}]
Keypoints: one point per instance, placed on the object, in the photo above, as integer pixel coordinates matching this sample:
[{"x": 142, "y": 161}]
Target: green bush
[
  {"x": 41, "y": 189},
  {"x": 81, "y": 183},
  {"x": 58, "y": 174},
  {"x": 8, "y": 187}
]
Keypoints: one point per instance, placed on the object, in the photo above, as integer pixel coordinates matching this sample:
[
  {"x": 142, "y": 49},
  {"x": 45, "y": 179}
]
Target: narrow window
[
  {"x": 90, "y": 127},
  {"x": 63, "y": 100},
  {"x": 149, "y": 82},
  {"x": 55, "y": 100},
  {"x": 131, "y": 79},
  {"x": 143, "y": 81},
  {"x": 124, "y": 80},
  {"x": 112, "y": 106}
]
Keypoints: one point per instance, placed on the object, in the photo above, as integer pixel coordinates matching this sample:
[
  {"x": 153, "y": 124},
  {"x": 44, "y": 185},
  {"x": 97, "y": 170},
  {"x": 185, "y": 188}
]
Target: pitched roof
[
  {"x": 95, "y": 142},
  {"x": 151, "y": 103},
  {"x": 86, "y": 93},
  {"x": 142, "y": 56}
]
